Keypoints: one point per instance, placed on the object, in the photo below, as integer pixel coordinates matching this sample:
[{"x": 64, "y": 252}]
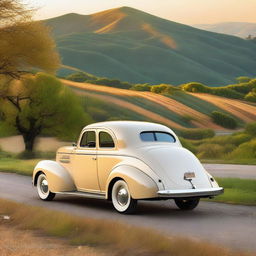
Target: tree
[
  {"x": 40, "y": 104},
  {"x": 24, "y": 43}
]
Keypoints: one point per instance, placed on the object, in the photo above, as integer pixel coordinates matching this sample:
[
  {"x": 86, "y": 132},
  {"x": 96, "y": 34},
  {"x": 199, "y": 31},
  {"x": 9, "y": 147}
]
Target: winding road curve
[{"x": 228, "y": 225}]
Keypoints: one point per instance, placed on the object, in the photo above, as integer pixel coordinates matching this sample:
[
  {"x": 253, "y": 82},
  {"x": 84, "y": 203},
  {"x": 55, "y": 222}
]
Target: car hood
[{"x": 170, "y": 163}]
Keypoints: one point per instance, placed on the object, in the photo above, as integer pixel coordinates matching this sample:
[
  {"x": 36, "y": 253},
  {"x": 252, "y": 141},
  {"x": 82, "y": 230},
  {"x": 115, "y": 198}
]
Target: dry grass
[
  {"x": 15, "y": 242},
  {"x": 202, "y": 120},
  {"x": 238, "y": 108},
  {"x": 118, "y": 238}
]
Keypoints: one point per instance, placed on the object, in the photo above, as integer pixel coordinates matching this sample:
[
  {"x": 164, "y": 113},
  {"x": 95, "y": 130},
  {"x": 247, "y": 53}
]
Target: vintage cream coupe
[{"x": 126, "y": 161}]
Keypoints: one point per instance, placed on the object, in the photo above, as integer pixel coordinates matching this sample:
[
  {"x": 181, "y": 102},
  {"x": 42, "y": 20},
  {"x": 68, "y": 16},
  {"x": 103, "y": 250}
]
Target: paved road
[
  {"x": 228, "y": 225},
  {"x": 232, "y": 170}
]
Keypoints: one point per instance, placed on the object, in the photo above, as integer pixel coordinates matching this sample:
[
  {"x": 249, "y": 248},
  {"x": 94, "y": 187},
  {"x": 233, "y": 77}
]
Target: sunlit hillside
[
  {"x": 134, "y": 46},
  {"x": 174, "y": 110}
]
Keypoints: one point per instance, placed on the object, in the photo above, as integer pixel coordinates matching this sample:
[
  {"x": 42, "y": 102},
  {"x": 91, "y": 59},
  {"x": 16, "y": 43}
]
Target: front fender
[
  {"x": 140, "y": 185},
  {"x": 58, "y": 177}
]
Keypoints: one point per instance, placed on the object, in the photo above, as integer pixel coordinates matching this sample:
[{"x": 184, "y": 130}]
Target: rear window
[{"x": 157, "y": 136}]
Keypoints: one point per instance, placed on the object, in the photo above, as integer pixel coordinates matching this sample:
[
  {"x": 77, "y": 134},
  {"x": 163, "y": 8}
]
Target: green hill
[{"x": 134, "y": 46}]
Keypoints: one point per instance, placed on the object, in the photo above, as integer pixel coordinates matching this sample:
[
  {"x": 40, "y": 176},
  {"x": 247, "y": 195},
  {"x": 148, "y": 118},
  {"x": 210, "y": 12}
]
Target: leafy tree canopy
[
  {"x": 24, "y": 43},
  {"x": 40, "y": 104}
]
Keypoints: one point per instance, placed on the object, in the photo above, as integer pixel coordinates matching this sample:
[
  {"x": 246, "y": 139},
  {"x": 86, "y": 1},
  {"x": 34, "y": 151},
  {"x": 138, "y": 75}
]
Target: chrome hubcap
[
  {"x": 122, "y": 196},
  {"x": 44, "y": 186}
]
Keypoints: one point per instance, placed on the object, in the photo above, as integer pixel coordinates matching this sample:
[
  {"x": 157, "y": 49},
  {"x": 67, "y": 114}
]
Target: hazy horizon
[{"x": 182, "y": 11}]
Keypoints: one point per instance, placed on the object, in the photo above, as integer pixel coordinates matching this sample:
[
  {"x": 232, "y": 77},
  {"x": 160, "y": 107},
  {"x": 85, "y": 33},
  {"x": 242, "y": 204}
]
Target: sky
[{"x": 183, "y": 11}]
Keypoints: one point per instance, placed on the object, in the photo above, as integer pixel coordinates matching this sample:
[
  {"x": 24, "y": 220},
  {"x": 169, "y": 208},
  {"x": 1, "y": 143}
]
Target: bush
[
  {"x": 207, "y": 151},
  {"x": 251, "y": 96},
  {"x": 251, "y": 129},
  {"x": 195, "y": 87},
  {"x": 224, "y": 120},
  {"x": 141, "y": 87},
  {"x": 111, "y": 82},
  {"x": 188, "y": 145},
  {"x": 196, "y": 133},
  {"x": 164, "y": 89},
  {"x": 226, "y": 92},
  {"x": 246, "y": 150},
  {"x": 238, "y": 139},
  {"x": 243, "y": 79},
  {"x": 80, "y": 77}
]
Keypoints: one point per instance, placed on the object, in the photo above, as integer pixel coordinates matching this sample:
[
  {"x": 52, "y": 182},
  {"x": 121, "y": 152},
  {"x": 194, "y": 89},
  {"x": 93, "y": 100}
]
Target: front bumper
[{"x": 183, "y": 193}]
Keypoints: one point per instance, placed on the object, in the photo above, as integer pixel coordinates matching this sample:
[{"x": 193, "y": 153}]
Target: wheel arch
[
  {"x": 141, "y": 186},
  {"x": 58, "y": 177}
]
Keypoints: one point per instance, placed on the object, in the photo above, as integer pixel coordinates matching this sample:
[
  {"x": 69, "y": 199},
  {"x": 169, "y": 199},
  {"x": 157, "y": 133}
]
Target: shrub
[
  {"x": 251, "y": 96},
  {"x": 111, "y": 82},
  {"x": 238, "y": 139},
  {"x": 224, "y": 120},
  {"x": 226, "y": 92},
  {"x": 246, "y": 150},
  {"x": 196, "y": 133},
  {"x": 164, "y": 88},
  {"x": 210, "y": 151},
  {"x": 80, "y": 77},
  {"x": 188, "y": 145},
  {"x": 243, "y": 79},
  {"x": 251, "y": 129},
  {"x": 195, "y": 87},
  {"x": 141, "y": 87}
]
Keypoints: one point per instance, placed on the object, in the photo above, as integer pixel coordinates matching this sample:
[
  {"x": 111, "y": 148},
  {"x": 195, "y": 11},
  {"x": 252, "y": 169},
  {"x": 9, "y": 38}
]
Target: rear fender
[
  {"x": 140, "y": 185},
  {"x": 58, "y": 177}
]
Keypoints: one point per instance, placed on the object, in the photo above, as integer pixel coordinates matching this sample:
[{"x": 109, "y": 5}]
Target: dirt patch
[{"x": 15, "y": 242}]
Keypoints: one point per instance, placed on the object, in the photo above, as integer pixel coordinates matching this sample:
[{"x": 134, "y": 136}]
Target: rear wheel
[
  {"x": 42, "y": 188},
  {"x": 121, "y": 198},
  {"x": 187, "y": 204}
]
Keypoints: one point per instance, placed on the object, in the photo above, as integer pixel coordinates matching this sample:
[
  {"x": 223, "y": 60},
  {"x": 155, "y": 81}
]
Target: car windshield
[{"x": 157, "y": 136}]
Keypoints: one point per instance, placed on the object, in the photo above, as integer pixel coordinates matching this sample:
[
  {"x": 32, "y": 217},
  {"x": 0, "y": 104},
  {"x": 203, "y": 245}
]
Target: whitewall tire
[
  {"x": 43, "y": 189},
  {"x": 121, "y": 198}
]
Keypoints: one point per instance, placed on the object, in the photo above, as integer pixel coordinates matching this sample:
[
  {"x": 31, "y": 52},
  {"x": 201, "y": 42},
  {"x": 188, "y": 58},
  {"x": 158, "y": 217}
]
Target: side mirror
[{"x": 74, "y": 144}]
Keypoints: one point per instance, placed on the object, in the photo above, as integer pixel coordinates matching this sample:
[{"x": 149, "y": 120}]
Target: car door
[
  {"x": 85, "y": 163},
  {"x": 107, "y": 156}
]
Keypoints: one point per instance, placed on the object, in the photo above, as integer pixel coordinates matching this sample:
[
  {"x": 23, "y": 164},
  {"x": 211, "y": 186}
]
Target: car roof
[
  {"x": 128, "y": 131},
  {"x": 139, "y": 125}
]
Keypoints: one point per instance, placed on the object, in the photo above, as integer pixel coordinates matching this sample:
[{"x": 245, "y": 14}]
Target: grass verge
[
  {"x": 237, "y": 191},
  {"x": 118, "y": 238},
  {"x": 20, "y": 166}
]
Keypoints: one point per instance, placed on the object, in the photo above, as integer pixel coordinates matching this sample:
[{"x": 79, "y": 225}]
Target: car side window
[
  {"x": 105, "y": 140},
  {"x": 88, "y": 140},
  {"x": 157, "y": 136}
]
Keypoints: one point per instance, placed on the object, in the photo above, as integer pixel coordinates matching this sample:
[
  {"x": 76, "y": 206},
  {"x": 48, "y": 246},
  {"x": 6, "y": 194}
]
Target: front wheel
[
  {"x": 42, "y": 188},
  {"x": 187, "y": 204},
  {"x": 121, "y": 198}
]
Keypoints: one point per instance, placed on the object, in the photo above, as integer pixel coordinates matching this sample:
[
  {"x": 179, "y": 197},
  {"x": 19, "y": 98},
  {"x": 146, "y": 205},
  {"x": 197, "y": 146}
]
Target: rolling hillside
[
  {"x": 166, "y": 110},
  {"x": 241, "y": 29},
  {"x": 134, "y": 46}
]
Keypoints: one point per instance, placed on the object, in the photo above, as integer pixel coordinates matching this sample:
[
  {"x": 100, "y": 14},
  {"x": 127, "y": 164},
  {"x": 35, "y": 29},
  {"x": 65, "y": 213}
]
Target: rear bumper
[{"x": 208, "y": 192}]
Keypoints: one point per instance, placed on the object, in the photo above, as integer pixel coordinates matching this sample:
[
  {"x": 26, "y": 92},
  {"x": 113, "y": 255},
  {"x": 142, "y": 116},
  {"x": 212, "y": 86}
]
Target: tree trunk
[{"x": 29, "y": 141}]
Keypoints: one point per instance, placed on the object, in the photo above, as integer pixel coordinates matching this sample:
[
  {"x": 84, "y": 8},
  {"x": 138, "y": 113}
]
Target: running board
[{"x": 84, "y": 194}]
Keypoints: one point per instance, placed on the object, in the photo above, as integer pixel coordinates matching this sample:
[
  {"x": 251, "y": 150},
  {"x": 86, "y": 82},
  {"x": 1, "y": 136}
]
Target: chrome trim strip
[
  {"x": 191, "y": 192},
  {"x": 83, "y": 194}
]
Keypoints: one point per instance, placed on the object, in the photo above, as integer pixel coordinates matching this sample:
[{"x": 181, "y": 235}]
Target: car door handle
[{"x": 94, "y": 158}]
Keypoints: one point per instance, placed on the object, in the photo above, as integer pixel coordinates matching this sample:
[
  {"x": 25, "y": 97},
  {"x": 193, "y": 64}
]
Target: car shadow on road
[{"x": 165, "y": 208}]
